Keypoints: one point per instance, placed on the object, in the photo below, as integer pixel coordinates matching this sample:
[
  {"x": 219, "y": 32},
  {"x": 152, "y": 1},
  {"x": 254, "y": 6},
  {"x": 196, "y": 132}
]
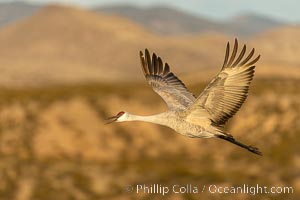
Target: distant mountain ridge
[
  {"x": 11, "y": 12},
  {"x": 158, "y": 19},
  {"x": 162, "y": 20},
  {"x": 170, "y": 21},
  {"x": 62, "y": 44}
]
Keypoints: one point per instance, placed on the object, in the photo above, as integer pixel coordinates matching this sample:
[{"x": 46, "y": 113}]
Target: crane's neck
[{"x": 156, "y": 119}]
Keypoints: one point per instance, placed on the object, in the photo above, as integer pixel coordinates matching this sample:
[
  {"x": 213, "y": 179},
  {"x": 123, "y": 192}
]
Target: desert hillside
[
  {"x": 160, "y": 19},
  {"x": 280, "y": 46},
  {"x": 61, "y": 45},
  {"x": 54, "y": 144},
  {"x": 69, "y": 45}
]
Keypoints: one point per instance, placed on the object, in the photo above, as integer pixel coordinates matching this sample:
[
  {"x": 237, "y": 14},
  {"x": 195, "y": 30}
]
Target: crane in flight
[{"x": 206, "y": 115}]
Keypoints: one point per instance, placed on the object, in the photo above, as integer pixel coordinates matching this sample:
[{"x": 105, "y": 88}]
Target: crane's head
[{"x": 120, "y": 117}]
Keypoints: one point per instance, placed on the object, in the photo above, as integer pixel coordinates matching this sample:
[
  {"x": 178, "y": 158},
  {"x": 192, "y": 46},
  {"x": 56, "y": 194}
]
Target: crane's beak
[{"x": 112, "y": 119}]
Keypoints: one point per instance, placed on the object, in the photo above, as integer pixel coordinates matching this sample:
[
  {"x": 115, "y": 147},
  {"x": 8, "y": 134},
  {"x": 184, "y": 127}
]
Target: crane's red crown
[{"x": 120, "y": 113}]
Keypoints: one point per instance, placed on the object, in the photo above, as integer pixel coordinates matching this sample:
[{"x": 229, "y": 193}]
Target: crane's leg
[{"x": 231, "y": 139}]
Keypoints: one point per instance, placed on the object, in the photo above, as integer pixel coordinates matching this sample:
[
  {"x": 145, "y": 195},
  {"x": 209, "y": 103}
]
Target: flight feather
[{"x": 165, "y": 83}]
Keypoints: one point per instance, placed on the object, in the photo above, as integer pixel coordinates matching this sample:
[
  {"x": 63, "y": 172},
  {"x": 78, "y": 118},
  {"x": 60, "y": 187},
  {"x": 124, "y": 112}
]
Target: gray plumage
[
  {"x": 205, "y": 116},
  {"x": 165, "y": 83}
]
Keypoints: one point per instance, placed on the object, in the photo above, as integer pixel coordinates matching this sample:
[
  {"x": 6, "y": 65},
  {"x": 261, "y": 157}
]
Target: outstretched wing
[
  {"x": 165, "y": 83},
  {"x": 226, "y": 93}
]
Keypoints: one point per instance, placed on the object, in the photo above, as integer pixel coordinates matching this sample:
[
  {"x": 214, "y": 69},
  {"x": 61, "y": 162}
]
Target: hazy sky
[{"x": 287, "y": 10}]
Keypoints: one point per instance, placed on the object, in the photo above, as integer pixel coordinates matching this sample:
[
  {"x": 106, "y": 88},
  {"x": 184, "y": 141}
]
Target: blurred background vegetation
[{"x": 65, "y": 69}]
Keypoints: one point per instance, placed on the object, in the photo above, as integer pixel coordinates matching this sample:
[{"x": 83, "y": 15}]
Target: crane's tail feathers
[{"x": 231, "y": 139}]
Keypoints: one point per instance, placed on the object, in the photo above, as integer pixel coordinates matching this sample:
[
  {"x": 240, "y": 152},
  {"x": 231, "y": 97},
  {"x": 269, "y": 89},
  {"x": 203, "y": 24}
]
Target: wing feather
[
  {"x": 226, "y": 93},
  {"x": 160, "y": 65},
  {"x": 240, "y": 56},
  {"x": 226, "y": 55},
  {"x": 235, "y": 48},
  {"x": 165, "y": 83}
]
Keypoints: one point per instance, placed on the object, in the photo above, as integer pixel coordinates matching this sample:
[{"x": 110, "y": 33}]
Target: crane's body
[{"x": 206, "y": 115}]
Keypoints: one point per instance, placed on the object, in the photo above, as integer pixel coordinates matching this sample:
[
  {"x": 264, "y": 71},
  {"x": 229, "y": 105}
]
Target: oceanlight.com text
[{"x": 212, "y": 189}]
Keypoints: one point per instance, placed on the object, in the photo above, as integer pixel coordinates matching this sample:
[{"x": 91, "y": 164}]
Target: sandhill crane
[{"x": 205, "y": 116}]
